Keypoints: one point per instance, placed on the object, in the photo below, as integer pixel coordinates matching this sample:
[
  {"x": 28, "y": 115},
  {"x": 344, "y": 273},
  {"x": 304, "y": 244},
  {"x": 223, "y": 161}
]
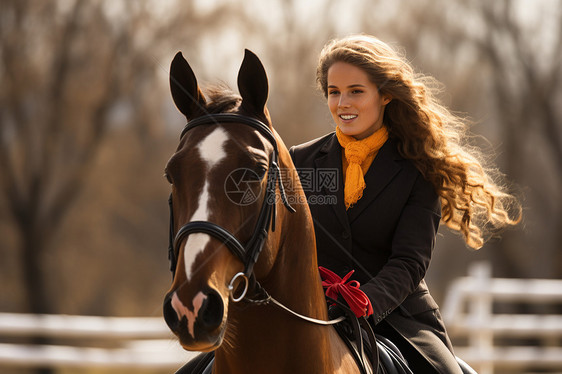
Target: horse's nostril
[
  {"x": 212, "y": 310},
  {"x": 170, "y": 315}
]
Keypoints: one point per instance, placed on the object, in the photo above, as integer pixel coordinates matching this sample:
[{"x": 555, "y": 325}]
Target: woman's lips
[{"x": 348, "y": 117}]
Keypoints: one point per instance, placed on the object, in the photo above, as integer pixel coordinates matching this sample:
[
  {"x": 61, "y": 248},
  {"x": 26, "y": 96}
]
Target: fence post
[{"x": 481, "y": 337}]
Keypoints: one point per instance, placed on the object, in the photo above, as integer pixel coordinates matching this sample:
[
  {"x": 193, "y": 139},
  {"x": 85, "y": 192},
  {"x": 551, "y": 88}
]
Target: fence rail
[
  {"x": 135, "y": 343},
  {"x": 468, "y": 312}
]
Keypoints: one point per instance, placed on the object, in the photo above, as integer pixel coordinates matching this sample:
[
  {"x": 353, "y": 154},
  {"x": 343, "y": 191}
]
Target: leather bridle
[{"x": 247, "y": 253}]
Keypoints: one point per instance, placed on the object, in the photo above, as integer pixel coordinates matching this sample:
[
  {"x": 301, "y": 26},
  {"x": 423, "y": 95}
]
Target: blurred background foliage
[{"x": 87, "y": 124}]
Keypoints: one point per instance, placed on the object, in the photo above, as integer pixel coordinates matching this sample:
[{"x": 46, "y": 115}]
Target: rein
[{"x": 267, "y": 299}]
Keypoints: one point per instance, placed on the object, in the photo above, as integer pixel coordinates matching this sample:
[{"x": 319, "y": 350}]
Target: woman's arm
[{"x": 412, "y": 245}]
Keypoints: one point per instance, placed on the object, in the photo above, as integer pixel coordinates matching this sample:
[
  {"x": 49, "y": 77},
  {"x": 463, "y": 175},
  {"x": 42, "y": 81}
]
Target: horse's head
[{"x": 225, "y": 182}]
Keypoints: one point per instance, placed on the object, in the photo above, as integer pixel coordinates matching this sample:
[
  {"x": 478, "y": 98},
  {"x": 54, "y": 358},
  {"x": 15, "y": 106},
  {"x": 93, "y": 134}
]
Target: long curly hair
[{"x": 474, "y": 203}]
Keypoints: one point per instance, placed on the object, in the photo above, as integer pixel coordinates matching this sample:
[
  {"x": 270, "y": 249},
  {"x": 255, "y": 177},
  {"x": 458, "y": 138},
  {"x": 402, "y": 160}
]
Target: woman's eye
[
  {"x": 357, "y": 91},
  {"x": 334, "y": 92}
]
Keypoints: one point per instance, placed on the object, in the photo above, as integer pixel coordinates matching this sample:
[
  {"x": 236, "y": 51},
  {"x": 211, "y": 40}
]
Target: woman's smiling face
[{"x": 354, "y": 101}]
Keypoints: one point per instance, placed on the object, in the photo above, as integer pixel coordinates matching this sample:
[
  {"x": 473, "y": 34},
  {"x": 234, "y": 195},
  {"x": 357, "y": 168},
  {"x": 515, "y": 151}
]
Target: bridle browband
[{"x": 249, "y": 252}]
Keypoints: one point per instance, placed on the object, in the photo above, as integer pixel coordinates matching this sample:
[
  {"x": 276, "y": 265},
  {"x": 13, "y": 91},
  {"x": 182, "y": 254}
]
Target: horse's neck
[
  {"x": 275, "y": 339},
  {"x": 295, "y": 280}
]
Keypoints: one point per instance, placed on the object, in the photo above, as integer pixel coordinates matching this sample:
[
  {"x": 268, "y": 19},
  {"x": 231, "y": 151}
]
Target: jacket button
[{"x": 345, "y": 235}]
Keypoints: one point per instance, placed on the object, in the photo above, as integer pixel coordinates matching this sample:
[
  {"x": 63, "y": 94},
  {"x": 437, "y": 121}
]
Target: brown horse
[{"x": 233, "y": 182}]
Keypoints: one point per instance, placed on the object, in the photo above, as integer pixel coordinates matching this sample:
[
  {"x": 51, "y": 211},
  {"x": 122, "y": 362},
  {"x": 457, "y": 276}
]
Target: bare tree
[
  {"x": 521, "y": 45},
  {"x": 38, "y": 122},
  {"x": 72, "y": 73},
  {"x": 69, "y": 72},
  {"x": 287, "y": 35},
  {"x": 506, "y": 56}
]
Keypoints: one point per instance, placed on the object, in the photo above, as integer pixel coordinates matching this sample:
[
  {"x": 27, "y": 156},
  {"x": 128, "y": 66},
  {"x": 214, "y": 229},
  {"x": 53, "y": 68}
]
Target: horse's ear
[
  {"x": 185, "y": 91},
  {"x": 252, "y": 84}
]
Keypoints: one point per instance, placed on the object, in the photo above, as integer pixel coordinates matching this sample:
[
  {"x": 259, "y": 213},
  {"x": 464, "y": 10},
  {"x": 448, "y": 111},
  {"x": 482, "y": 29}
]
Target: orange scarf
[{"x": 359, "y": 155}]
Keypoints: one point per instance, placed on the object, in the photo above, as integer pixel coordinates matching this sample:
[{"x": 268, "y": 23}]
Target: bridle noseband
[{"x": 249, "y": 252}]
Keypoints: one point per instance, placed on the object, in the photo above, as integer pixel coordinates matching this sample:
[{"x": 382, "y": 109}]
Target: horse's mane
[{"x": 221, "y": 99}]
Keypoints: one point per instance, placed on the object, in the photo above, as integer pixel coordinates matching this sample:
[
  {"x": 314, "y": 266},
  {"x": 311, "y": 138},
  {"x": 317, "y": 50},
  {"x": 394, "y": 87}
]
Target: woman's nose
[{"x": 344, "y": 101}]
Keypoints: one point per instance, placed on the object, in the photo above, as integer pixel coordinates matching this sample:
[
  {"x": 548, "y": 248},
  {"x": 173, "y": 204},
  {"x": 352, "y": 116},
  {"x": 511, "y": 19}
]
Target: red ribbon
[{"x": 356, "y": 299}]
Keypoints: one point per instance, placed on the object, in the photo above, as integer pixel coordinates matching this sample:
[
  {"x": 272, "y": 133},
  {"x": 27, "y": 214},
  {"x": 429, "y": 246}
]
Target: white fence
[
  {"x": 101, "y": 342},
  {"x": 494, "y": 340},
  {"x": 146, "y": 343}
]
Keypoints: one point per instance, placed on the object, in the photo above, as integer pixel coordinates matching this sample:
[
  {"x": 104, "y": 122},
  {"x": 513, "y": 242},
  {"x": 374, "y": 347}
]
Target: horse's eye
[
  {"x": 167, "y": 176},
  {"x": 260, "y": 172}
]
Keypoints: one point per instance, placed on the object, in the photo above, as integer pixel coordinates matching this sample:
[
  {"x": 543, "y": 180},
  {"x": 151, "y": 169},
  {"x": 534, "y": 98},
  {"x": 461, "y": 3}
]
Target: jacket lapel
[
  {"x": 379, "y": 175},
  {"x": 331, "y": 158}
]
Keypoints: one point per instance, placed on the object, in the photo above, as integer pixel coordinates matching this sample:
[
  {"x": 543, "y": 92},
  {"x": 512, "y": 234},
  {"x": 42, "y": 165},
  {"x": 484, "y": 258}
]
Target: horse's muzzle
[{"x": 195, "y": 321}]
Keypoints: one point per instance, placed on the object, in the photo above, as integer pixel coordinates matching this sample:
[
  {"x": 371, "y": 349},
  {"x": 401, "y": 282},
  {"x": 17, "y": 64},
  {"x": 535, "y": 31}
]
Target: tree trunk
[{"x": 35, "y": 244}]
